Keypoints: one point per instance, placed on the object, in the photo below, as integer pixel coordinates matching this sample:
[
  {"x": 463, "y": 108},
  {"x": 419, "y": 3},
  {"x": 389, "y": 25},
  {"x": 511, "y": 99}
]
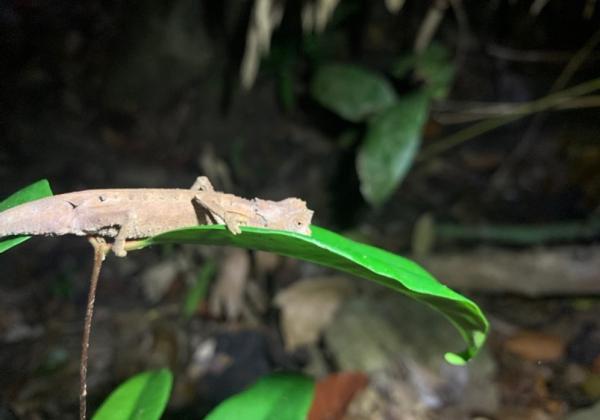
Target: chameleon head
[{"x": 298, "y": 216}]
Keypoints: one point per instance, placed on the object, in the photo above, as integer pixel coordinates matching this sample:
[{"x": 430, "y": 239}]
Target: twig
[
  {"x": 100, "y": 250},
  {"x": 462, "y": 136},
  {"x": 430, "y": 24},
  {"x": 589, "y": 8},
  {"x": 394, "y": 6},
  {"x": 575, "y": 62},
  {"x": 501, "y": 175},
  {"x": 530, "y": 56},
  {"x": 450, "y": 112},
  {"x": 537, "y": 6},
  {"x": 463, "y": 32},
  {"x": 527, "y": 108}
]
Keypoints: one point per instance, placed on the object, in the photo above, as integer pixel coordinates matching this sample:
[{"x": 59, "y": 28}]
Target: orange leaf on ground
[{"x": 334, "y": 393}]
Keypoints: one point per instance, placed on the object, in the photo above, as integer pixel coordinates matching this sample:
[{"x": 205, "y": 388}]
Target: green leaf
[
  {"x": 351, "y": 92},
  {"x": 275, "y": 397},
  {"x": 390, "y": 145},
  {"x": 143, "y": 397},
  {"x": 198, "y": 291},
  {"x": 331, "y": 250},
  {"x": 433, "y": 66},
  {"x": 39, "y": 189}
]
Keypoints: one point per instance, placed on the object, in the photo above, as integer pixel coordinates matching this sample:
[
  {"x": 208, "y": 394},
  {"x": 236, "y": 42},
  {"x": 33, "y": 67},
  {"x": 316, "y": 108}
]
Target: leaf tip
[
  {"x": 456, "y": 359},
  {"x": 461, "y": 359}
]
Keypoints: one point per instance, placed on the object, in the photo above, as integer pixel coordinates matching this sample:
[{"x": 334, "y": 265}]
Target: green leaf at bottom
[
  {"x": 143, "y": 397},
  {"x": 275, "y": 397}
]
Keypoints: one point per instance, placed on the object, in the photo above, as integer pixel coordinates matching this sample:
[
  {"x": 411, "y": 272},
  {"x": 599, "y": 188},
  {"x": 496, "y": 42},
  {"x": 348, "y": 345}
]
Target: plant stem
[{"x": 100, "y": 250}]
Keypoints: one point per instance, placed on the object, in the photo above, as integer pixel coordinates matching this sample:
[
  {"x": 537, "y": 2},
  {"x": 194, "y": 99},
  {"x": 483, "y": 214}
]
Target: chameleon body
[{"x": 124, "y": 214}]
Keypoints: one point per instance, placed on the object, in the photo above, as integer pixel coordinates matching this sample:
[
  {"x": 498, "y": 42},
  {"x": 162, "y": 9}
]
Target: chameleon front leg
[
  {"x": 125, "y": 226},
  {"x": 96, "y": 218},
  {"x": 122, "y": 221},
  {"x": 231, "y": 219}
]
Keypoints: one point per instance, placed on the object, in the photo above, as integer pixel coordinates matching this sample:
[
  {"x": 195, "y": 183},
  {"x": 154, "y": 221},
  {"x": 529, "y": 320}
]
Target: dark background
[{"x": 101, "y": 94}]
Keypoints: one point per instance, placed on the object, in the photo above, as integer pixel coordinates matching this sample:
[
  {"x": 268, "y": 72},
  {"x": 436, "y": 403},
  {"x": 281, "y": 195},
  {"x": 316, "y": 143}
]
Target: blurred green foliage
[
  {"x": 433, "y": 67},
  {"x": 352, "y": 92},
  {"x": 390, "y": 145},
  {"x": 278, "y": 396},
  {"x": 394, "y": 121},
  {"x": 142, "y": 397},
  {"x": 198, "y": 291}
]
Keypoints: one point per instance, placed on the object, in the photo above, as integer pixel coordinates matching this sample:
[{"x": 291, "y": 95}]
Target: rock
[{"x": 380, "y": 330}]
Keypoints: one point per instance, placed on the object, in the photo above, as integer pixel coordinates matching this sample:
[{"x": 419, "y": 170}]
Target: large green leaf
[
  {"x": 389, "y": 148},
  {"x": 39, "y": 189},
  {"x": 351, "y": 92},
  {"x": 331, "y": 250},
  {"x": 143, "y": 397},
  {"x": 275, "y": 397}
]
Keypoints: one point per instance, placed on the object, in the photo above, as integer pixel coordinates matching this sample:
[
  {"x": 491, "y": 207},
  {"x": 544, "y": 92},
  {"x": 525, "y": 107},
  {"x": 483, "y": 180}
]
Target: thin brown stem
[
  {"x": 100, "y": 250},
  {"x": 450, "y": 112},
  {"x": 543, "y": 104},
  {"x": 576, "y": 62}
]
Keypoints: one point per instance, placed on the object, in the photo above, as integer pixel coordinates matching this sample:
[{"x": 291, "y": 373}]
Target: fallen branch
[{"x": 556, "y": 271}]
